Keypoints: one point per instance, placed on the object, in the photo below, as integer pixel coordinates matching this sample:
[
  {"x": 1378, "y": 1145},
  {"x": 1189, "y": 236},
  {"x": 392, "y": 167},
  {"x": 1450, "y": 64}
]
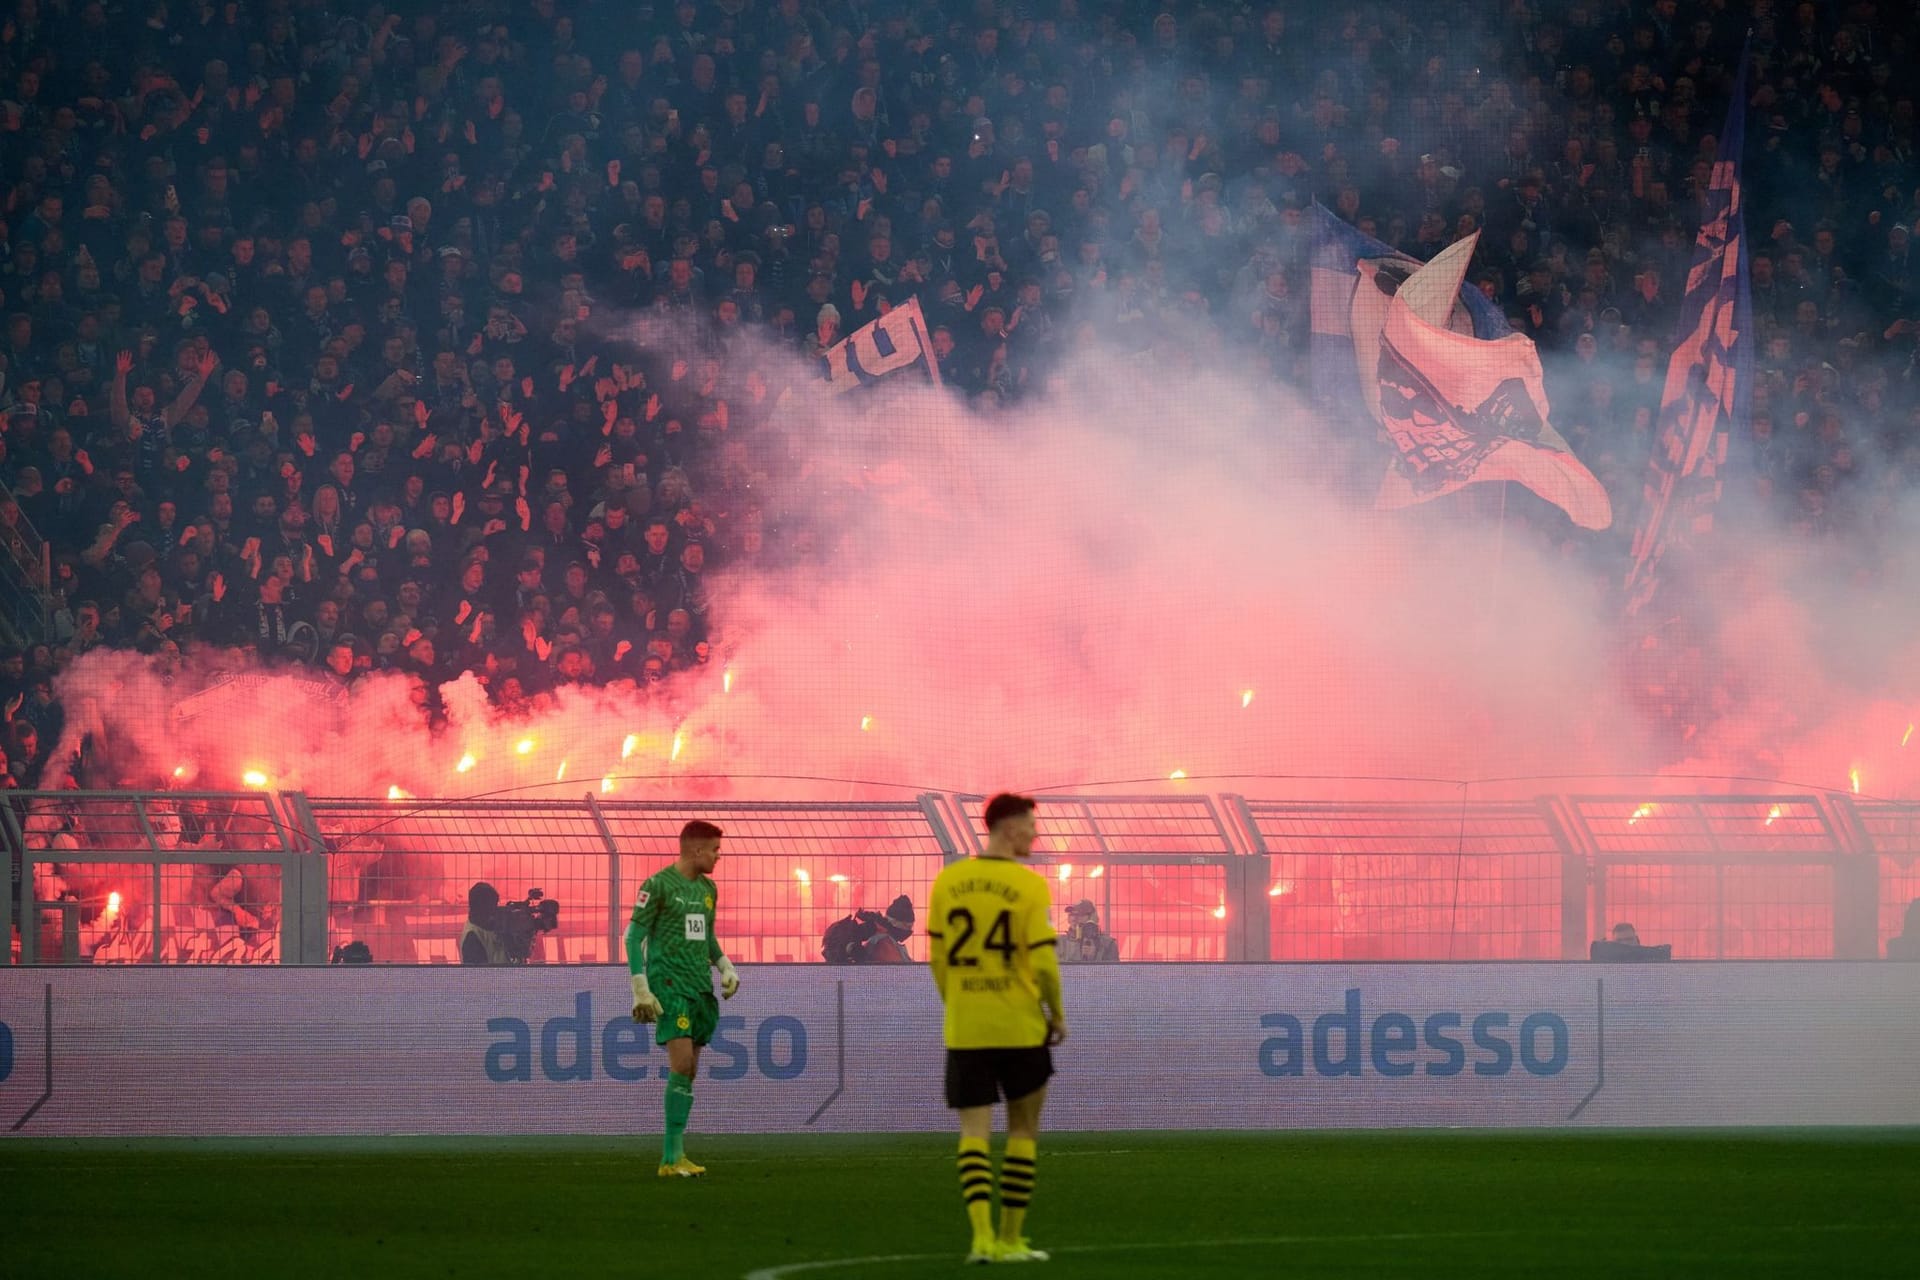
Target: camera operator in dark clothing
[
  {"x": 1085, "y": 942},
  {"x": 480, "y": 943},
  {"x": 503, "y": 932},
  {"x": 870, "y": 937}
]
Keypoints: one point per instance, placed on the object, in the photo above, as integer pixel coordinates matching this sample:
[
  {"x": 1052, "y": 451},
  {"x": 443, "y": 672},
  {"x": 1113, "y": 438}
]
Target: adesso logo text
[
  {"x": 774, "y": 1047},
  {"x": 1394, "y": 1044}
]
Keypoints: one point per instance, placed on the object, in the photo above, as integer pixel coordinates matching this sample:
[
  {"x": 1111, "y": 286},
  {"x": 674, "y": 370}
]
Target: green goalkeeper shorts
[{"x": 694, "y": 1015}]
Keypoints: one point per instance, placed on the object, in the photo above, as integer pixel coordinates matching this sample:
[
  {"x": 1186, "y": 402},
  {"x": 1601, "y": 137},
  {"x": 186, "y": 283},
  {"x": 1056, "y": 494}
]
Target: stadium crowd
[{"x": 425, "y": 336}]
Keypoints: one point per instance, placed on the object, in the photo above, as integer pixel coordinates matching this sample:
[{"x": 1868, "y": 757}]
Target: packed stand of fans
[{"x": 418, "y": 340}]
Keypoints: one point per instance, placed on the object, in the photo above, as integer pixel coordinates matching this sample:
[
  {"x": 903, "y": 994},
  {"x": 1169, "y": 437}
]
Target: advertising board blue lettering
[
  {"x": 1346, "y": 1043},
  {"x": 564, "y": 1051}
]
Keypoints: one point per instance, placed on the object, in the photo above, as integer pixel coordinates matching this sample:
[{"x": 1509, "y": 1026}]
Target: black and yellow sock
[
  {"x": 976, "y": 1185},
  {"x": 1016, "y": 1186}
]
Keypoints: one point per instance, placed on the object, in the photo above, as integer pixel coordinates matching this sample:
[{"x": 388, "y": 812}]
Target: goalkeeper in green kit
[{"x": 670, "y": 948}]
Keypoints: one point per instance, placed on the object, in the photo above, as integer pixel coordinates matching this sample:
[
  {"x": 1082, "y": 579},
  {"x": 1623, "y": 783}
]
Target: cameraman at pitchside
[{"x": 498, "y": 933}]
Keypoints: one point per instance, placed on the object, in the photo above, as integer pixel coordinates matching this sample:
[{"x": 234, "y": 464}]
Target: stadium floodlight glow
[
  {"x": 627, "y": 744},
  {"x": 1065, "y": 871},
  {"x": 466, "y": 763},
  {"x": 524, "y": 746},
  {"x": 801, "y": 874},
  {"x": 254, "y": 778}
]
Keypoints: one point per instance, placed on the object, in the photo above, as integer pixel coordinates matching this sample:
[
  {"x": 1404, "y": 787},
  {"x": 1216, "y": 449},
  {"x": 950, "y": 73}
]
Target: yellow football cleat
[
  {"x": 985, "y": 1249},
  {"x": 682, "y": 1168}
]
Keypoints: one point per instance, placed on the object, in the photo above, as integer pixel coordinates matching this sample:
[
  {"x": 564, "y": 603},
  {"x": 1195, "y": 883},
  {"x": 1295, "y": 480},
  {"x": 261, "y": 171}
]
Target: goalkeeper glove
[
  {"x": 729, "y": 978},
  {"x": 646, "y": 1005}
]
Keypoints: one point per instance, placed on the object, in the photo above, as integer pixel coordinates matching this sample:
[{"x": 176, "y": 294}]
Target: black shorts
[{"x": 981, "y": 1077}]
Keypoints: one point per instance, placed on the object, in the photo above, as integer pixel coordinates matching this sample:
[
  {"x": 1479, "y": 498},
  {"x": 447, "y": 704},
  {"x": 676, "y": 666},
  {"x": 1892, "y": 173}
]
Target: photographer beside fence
[
  {"x": 870, "y": 937},
  {"x": 1084, "y": 941}
]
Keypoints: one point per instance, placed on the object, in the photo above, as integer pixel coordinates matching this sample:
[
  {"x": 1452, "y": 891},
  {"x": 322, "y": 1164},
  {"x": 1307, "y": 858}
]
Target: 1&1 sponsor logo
[{"x": 1395, "y": 1045}]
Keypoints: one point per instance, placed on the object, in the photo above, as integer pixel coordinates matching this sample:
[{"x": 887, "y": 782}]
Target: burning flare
[
  {"x": 256, "y": 779},
  {"x": 466, "y": 763},
  {"x": 1644, "y": 811}
]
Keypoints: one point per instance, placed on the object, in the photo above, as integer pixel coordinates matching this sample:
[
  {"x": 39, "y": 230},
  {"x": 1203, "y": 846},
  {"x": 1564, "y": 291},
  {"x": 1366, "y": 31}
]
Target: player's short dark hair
[
  {"x": 697, "y": 830},
  {"x": 1006, "y": 805}
]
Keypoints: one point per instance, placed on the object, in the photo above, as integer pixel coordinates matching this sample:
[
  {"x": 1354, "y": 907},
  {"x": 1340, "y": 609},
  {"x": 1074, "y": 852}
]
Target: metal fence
[
  {"x": 254, "y": 877},
  {"x": 1890, "y": 835},
  {"x": 1411, "y": 881},
  {"x": 174, "y": 878},
  {"x": 1726, "y": 878}
]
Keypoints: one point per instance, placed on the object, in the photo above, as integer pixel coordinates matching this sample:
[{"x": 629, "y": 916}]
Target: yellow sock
[
  {"x": 976, "y": 1185},
  {"x": 1016, "y": 1186}
]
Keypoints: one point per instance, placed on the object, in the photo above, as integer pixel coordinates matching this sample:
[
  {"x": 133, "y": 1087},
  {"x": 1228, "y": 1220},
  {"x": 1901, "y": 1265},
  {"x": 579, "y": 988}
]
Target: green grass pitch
[{"x": 1110, "y": 1205}]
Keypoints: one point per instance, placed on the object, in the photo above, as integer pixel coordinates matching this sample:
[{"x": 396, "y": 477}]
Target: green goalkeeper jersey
[{"x": 672, "y": 932}]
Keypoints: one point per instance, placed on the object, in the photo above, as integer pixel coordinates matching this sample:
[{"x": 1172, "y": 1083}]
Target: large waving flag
[
  {"x": 1709, "y": 378},
  {"x": 1343, "y": 257},
  {"x": 1461, "y": 409},
  {"x": 1458, "y": 393},
  {"x": 897, "y": 340}
]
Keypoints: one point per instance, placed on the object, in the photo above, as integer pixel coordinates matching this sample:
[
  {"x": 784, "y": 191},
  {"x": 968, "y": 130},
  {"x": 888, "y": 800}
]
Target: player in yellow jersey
[{"x": 991, "y": 930}]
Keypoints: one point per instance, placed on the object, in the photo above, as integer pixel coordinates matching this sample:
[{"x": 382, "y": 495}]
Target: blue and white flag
[
  {"x": 1457, "y": 393},
  {"x": 1709, "y": 385},
  {"x": 1342, "y": 258},
  {"x": 897, "y": 340}
]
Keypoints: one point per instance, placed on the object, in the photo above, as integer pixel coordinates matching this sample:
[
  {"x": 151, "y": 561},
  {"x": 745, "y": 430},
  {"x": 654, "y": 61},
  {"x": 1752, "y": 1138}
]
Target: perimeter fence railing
[{"x": 262, "y": 877}]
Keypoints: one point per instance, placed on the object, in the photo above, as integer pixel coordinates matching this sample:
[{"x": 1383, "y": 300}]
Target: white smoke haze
[{"x": 1084, "y": 590}]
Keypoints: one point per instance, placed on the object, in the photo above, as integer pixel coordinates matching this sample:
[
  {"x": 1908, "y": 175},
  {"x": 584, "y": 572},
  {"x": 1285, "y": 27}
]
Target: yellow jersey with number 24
[{"x": 986, "y": 918}]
